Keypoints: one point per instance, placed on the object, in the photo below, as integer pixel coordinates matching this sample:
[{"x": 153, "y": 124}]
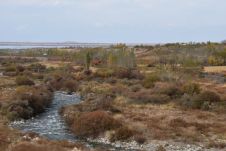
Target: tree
[{"x": 88, "y": 60}]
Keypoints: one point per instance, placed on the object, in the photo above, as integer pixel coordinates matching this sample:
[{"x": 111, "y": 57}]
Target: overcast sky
[{"x": 113, "y": 20}]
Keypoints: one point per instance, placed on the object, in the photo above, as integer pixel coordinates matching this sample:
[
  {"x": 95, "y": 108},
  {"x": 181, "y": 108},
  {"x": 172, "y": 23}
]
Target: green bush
[{"x": 24, "y": 80}]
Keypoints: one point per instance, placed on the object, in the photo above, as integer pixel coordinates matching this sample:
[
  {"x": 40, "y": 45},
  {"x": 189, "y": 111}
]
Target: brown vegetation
[{"x": 93, "y": 123}]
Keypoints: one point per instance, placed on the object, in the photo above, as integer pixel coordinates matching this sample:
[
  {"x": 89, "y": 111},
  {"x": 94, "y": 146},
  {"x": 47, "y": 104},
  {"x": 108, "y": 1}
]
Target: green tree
[{"x": 88, "y": 60}]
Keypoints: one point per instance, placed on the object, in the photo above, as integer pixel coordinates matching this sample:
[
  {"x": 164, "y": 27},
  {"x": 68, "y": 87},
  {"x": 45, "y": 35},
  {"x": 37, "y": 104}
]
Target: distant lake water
[{"x": 29, "y": 47}]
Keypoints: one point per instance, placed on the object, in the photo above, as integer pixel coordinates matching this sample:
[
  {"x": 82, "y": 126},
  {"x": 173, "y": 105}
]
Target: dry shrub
[
  {"x": 121, "y": 134},
  {"x": 94, "y": 123},
  {"x": 178, "y": 122},
  {"x": 17, "y": 109},
  {"x": 38, "y": 76},
  {"x": 204, "y": 100},
  {"x": 150, "y": 80},
  {"x": 12, "y": 74},
  {"x": 24, "y": 80},
  {"x": 10, "y": 68},
  {"x": 104, "y": 73},
  {"x": 144, "y": 97},
  {"x": 26, "y": 146},
  {"x": 140, "y": 139},
  {"x": 173, "y": 91},
  {"x": 70, "y": 85},
  {"x": 20, "y": 68},
  {"x": 123, "y": 73},
  {"x": 37, "y": 67},
  {"x": 209, "y": 96},
  {"x": 38, "y": 97},
  {"x": 214, "y": 144},
  {"x": 160, "y": 148},
  {"x": 191, "y": 88}
]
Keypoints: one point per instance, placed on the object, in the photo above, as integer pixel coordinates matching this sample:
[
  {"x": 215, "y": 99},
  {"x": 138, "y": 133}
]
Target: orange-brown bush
[
  {"x": 122, "y": 73},
  {"x": 24, "y": 80},
  {"x": 94, "y": 123},
  {"x": 70, "y": 85},
  {"x": 122, "y": 133}
]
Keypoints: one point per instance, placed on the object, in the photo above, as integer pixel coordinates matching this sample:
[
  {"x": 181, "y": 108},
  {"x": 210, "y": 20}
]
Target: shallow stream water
[{"x": 51, "y": 125}]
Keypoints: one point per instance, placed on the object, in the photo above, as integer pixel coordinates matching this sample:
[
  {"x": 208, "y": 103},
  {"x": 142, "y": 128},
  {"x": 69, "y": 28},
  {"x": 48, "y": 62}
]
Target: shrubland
[{"x": 142, "y": 93}]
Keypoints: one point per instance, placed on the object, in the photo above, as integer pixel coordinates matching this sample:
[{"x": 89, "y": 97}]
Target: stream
[{"x": 51, "y": 125}]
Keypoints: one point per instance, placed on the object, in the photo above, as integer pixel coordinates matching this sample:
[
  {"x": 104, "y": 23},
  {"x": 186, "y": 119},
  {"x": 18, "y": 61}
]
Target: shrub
[
  {"x": 20, "y": 68},
  {"x": 38, "y": 76},
  {"x": 122, "y": 133},
  {"x": 136, "y": 88},
  {"x": 160, "y": 148},
  {"x": 144, "y": 97},
  {"x": 17, "y": 110},
  {"x": 37, "y": 67},
  {"x": 93, "y": 123},
  {"x": 209, "y": 96},
  {"x": 70, "y": 85},
  {"x": 140, "y": 139},
  {"x": 191, "y": 88},
  {"x": 11, "y": 68},
  {"x": 40, "y": 146},
  {"x": 202, "y": 101},
  {"x": 38, "y": 98},
  {"x": 10, "y": 73},
  {"x": 172, "y": 91},
  {"x": 150, "y": 80},
  {"x": 24, "y": 80},
  {"x": 126, "y": 73},
  {"x": 104, "y": 73}
]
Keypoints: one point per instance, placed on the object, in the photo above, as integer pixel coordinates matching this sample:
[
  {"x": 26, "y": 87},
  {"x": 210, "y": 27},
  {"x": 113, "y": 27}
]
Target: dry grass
[
  {"x": 169, "y": 123},
  {"x": 215, "y": 69}
]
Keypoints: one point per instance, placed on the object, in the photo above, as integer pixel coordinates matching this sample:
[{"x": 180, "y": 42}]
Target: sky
[{"x": 127, "y": 21}]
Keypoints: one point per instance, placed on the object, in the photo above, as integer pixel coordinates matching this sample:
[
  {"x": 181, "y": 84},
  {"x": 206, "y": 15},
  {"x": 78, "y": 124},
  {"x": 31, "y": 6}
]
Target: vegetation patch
[{"x": 92, "y": 124}]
